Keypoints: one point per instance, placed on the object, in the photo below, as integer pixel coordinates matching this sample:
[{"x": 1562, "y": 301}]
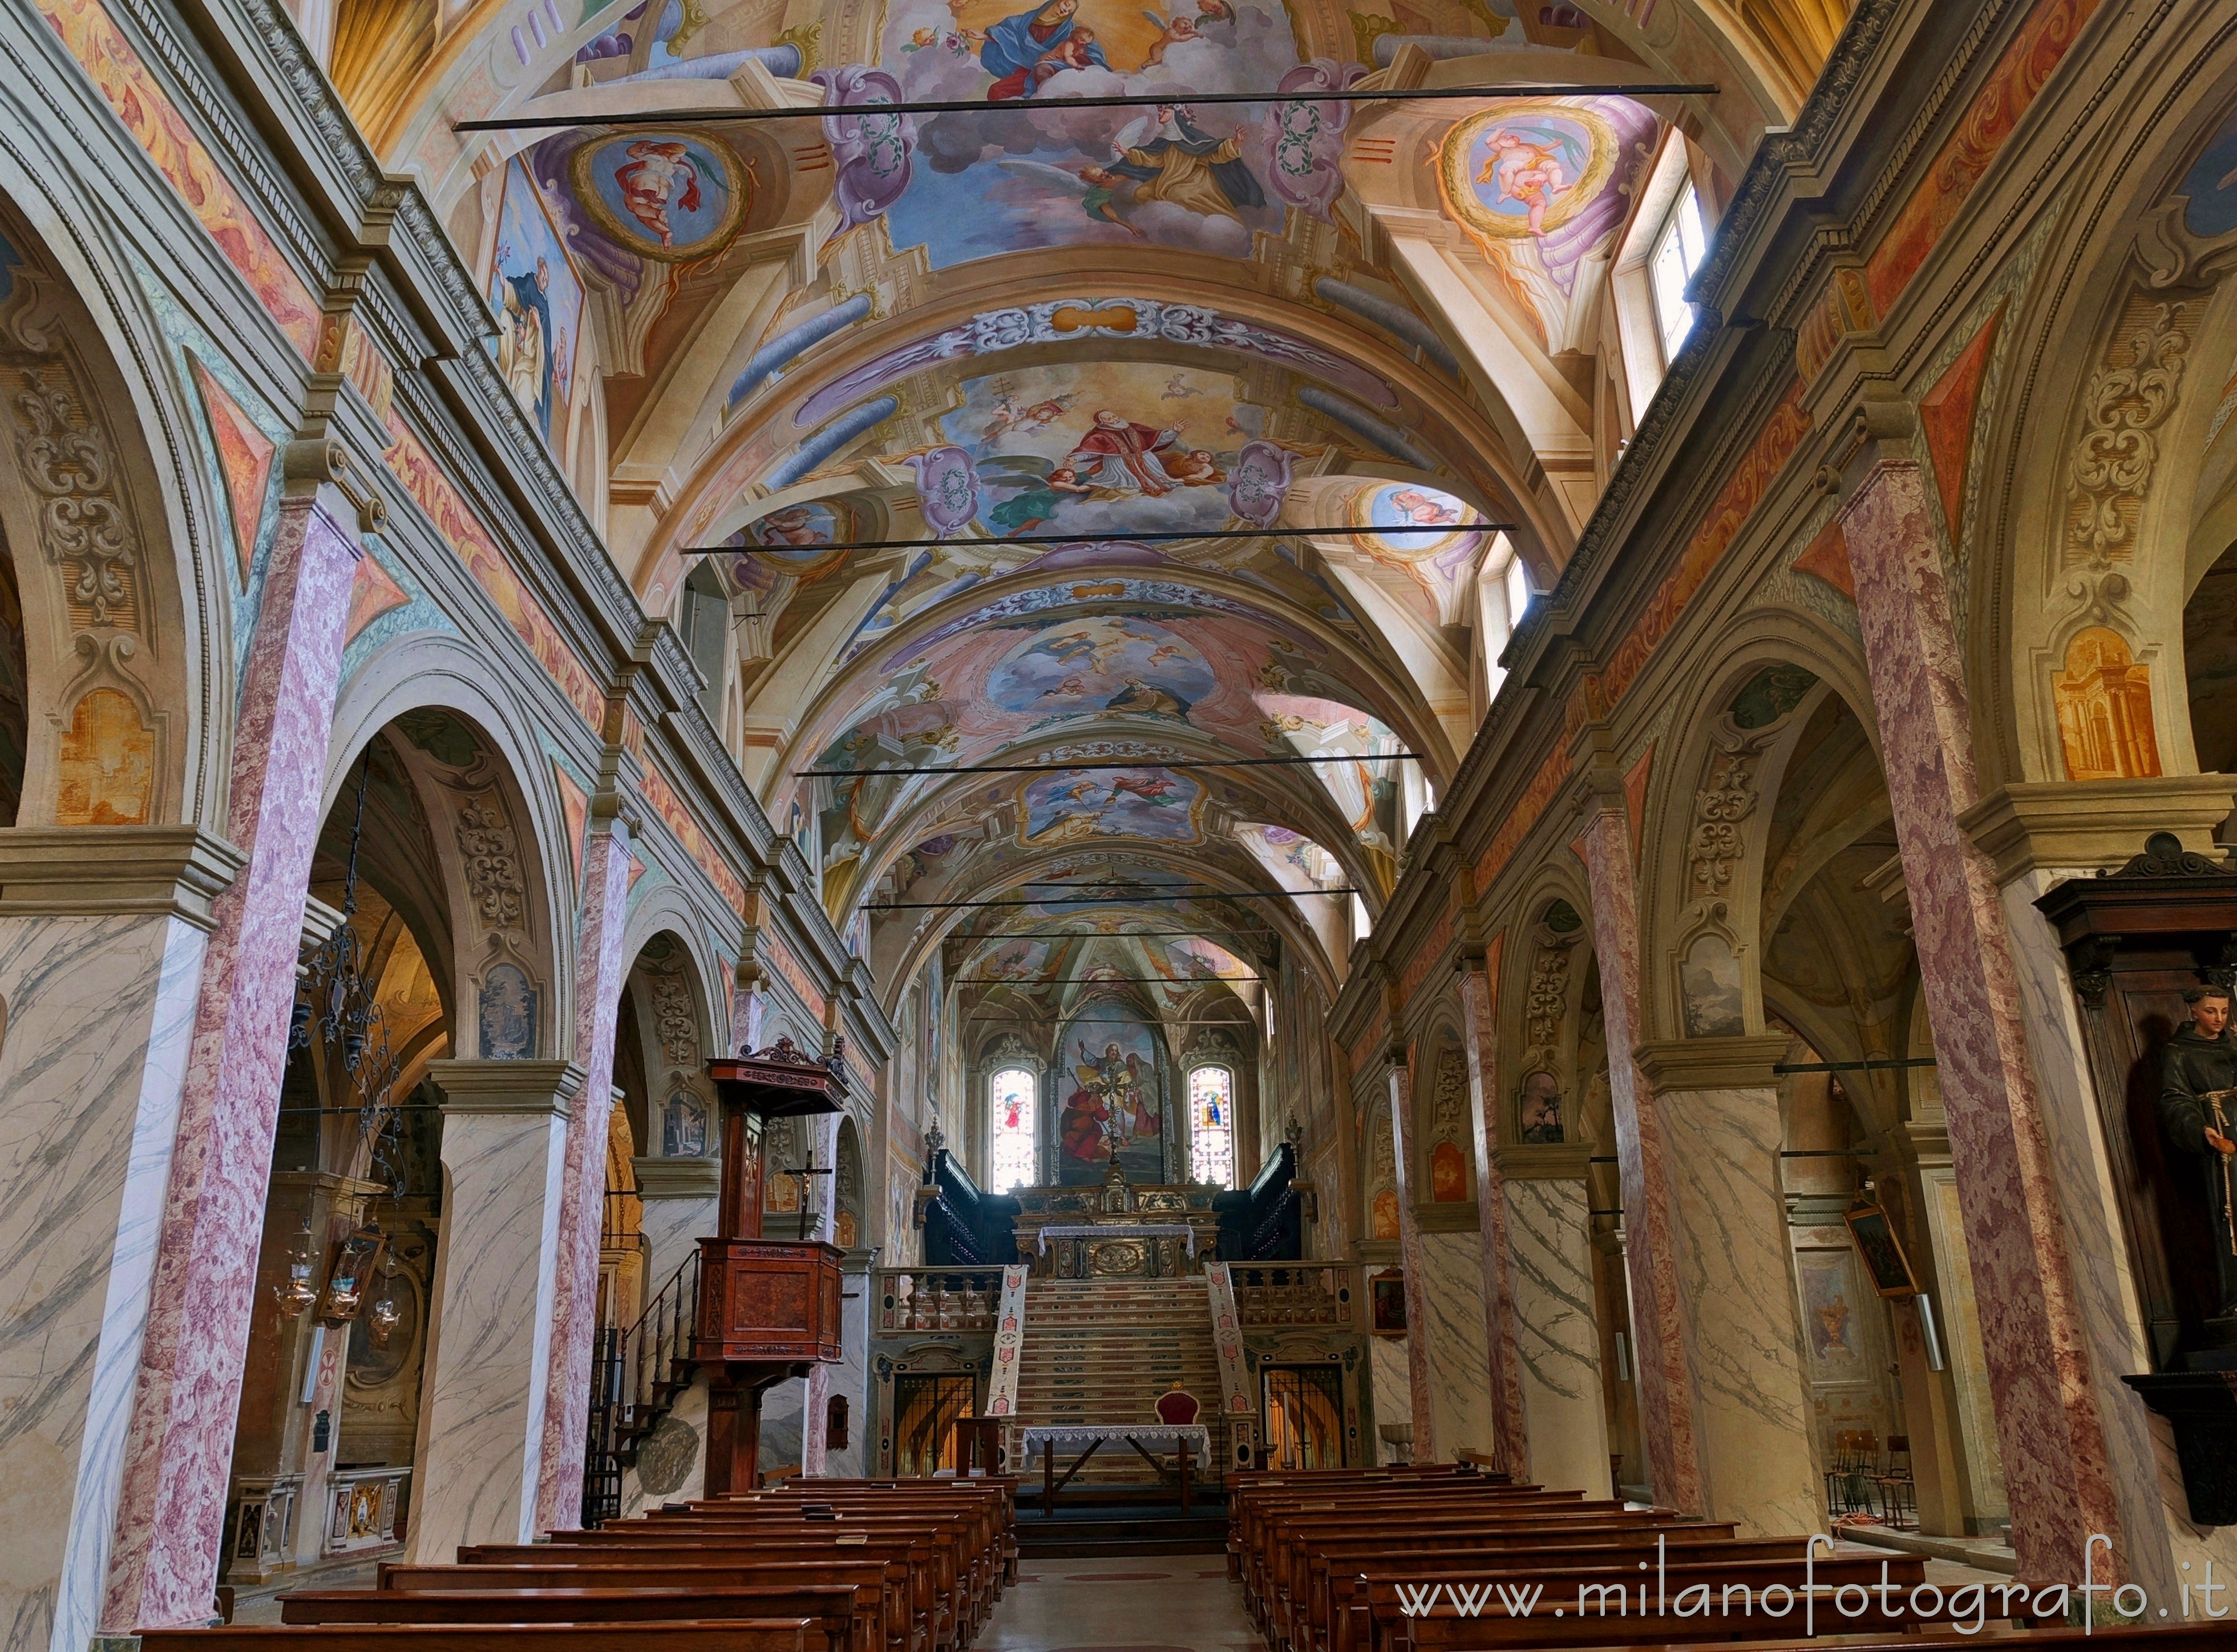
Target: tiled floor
[{"x": 1152, "y": 1604}]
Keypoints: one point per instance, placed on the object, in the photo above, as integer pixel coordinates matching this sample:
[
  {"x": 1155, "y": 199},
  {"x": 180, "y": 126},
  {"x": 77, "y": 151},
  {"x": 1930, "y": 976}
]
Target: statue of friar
[{"x": 2198, "y": 1107}]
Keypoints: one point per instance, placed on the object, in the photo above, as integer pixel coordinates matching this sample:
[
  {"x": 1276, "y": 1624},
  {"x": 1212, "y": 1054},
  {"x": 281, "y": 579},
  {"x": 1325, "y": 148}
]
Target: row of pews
[
  {"x": 1443, "y": 1556},
  {"x": 829, "y": 1565}
]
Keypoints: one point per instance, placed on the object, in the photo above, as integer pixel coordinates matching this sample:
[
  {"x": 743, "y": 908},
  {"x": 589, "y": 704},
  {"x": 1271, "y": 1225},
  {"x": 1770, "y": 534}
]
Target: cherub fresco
[{"x": 655, "y": 174}]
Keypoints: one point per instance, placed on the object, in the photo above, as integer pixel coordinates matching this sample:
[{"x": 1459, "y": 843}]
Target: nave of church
[{"x": 816, "y": 815}]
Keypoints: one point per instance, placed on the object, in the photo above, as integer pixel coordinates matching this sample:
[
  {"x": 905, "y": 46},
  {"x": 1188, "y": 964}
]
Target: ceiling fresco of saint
[{"x": 971, "y": 443}]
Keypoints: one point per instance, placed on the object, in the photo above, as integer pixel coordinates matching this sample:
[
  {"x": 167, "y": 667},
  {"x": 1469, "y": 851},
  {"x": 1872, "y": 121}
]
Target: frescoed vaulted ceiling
[{"x": 1160, "y": 344}]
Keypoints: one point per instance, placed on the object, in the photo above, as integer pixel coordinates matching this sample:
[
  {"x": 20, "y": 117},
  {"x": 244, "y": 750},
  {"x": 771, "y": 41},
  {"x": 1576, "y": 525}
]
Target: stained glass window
[
  {"x": 1011, "y": 1160},
  {"x": 1212, "y": 1116}
]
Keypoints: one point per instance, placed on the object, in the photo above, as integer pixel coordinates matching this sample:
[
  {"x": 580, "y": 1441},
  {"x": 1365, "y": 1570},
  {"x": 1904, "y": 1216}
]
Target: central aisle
[{"x": 1127, "y": 1603}]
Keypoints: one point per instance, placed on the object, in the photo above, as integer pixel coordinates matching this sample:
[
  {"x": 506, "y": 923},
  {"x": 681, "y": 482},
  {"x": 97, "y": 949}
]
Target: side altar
[{"x": 1118, "y": 1230}]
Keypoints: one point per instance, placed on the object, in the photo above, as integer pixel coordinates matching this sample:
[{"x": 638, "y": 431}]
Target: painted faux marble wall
[{"x": 1387, "y": 1382}]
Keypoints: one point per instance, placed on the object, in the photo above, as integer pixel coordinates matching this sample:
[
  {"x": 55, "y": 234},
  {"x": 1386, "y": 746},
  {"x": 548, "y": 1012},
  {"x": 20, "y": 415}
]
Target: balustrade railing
[
  {"x": 635, "y": 1377},
  {"x": 1294, "y": 1294},
  {"x": 937, "y": 1298}
]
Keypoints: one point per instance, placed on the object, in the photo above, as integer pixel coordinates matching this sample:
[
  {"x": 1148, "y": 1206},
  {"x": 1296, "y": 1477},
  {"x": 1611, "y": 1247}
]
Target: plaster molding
[
  {"x": 546, "y": 1088},
  {"x": 1744, "y": 1063},
  {"x": 1543, "y": 1161},
  {"x": 2086, "y": 825},
  {"x": 108, "y": 871},
  {"x": 661, "y": 1178}
]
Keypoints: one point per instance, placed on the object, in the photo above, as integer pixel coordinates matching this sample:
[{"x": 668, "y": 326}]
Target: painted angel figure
[
  {"x": 1098, "y": 188},
  {"x": 1172, "y": 33},
  {"x": 1527, "y": 172},
  {"x": 656, "y": 174}
]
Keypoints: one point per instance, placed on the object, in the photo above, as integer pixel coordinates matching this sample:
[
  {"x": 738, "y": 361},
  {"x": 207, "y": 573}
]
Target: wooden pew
[
  {"x": 934, "y": 1596},
  {"x": 731, "y": 1635},
  {"x": 841, "y": 1622},
  {"x": 880, "y": 1587}
]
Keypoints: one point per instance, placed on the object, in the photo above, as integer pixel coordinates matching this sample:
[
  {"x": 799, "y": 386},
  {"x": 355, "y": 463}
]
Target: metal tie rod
[
  {"x": 1099, "y": 900},
  {"x": 1161, "y": 537},
  {"x": 1112, "y": 762},
  {"x": 1116, "y": 100}
]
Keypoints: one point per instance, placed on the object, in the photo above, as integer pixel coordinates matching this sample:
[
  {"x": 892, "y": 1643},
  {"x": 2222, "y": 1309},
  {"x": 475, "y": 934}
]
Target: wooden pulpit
[{"x": 769, "y": 1308}]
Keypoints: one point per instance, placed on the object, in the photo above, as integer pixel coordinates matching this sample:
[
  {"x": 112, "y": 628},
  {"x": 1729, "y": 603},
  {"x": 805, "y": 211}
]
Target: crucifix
[{"x": 801, "y": 1174}]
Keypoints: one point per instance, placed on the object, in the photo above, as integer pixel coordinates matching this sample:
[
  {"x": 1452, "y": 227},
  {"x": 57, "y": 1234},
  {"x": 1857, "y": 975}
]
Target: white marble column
[
  {"x": 1452, "y": 1298},
  {"x": 102, "y": 931},
  {"x": 1503, "y": 1367},
  {"x": 489, "y": 1348},
  {"x": 1548, "y": 1229},
  {"x": 1420, "y": 1376},
  {"x": 823, "y": 1151},
  {"x": 851, "y": 1379},
  {"x": 1739, "y": 1316},
  {"x": 680, "y": 1198}
]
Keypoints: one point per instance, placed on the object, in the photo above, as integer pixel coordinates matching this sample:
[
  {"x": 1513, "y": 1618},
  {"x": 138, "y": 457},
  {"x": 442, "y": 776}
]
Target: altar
[{"x": 1116, "y": 1230}]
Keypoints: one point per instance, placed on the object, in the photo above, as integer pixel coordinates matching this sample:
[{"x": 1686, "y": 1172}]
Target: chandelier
[{"x": 337, "y": 1012}]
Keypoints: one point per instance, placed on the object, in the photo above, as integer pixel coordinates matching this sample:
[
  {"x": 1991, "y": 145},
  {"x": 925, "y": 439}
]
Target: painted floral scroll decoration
[
  {"x": 1307, "y": 136},
  {"x": 873, "y": 150},
  {"x": 947, "y": 489},
  {"x": 1259, "y": 482}
]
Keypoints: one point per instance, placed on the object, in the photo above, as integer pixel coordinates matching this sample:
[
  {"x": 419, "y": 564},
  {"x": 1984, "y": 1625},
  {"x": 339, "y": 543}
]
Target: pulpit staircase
[
  {"x": 1099, "y": 1352},
  {"x": 635, "y": 1376}
]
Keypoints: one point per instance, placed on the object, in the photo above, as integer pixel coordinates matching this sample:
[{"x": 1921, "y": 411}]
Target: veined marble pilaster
[
  {"x": 598, "y": 973},
  {"x": 489, "y": 1350},
  {"x": 1452, "y": 1297},
  {"x": 851, "y": 1379},
  {"x": 1387, "y": 1366},
  {"x": 1510, "y": 1431},
  {"x": 680, "y": 1198},
  {"x": 2050, "y": 1422},
  {"x": 1421, "y": 1380},
  {"x": 101, "y": 1005},
  {"x": 1742, "y": 1319},
  {"x": 171, "y": 1510},
  {"x": 1666, "y": 1416},
  {"x": 1547, "y": 1227}
]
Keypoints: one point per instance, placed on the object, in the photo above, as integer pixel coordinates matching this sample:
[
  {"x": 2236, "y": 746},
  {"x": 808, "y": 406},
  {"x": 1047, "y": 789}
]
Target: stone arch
[
  {"x": 850, "y": 1221},
  {"x": 668, "y": 1025},
  {"x": 1538, "y": 1094},
  {"x": 499, "y": 833},
  {"x": 2093, "y": 496},
  {"x": 1441, "y": 1119},
  {"x": 121, "y": 608},
  {"x": 1701, "y": 863}
]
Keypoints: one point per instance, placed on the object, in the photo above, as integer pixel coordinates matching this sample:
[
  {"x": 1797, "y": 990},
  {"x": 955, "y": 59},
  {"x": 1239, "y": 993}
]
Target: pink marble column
[
  {"x": 2049, "y": 1424},
  {"x": 187, "y": 1394},
  {"x": 1665, "y": 1403},
  {"x": 598, "y": 970},
  {"x": 1418, "y": 1381}
]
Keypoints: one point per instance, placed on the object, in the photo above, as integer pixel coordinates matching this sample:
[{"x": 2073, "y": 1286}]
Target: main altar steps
[
  {"x": 1091, "y": 1529},
  {"x": 1102, "y": 1352}
]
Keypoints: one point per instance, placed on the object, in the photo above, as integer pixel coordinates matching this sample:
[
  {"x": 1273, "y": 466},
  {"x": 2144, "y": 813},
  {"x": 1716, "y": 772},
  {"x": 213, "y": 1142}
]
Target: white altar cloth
[
  {"x": 1119, "y": 1230},
  {"x": 1151, "y": 1436}
]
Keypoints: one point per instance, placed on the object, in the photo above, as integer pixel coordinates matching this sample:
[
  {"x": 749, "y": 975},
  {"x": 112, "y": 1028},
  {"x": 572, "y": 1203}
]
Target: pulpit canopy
[{"x": 782, "y": 1081}]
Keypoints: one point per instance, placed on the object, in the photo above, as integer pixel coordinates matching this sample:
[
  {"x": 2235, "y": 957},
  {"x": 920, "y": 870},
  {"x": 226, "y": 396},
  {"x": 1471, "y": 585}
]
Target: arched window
[
  {"x": 1010, "y": 1160},
  {"x": 1211, "y": 1126}
]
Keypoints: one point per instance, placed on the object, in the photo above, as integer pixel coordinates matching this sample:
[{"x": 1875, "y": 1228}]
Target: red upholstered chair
[{"x": 1177, "y": 1407}]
